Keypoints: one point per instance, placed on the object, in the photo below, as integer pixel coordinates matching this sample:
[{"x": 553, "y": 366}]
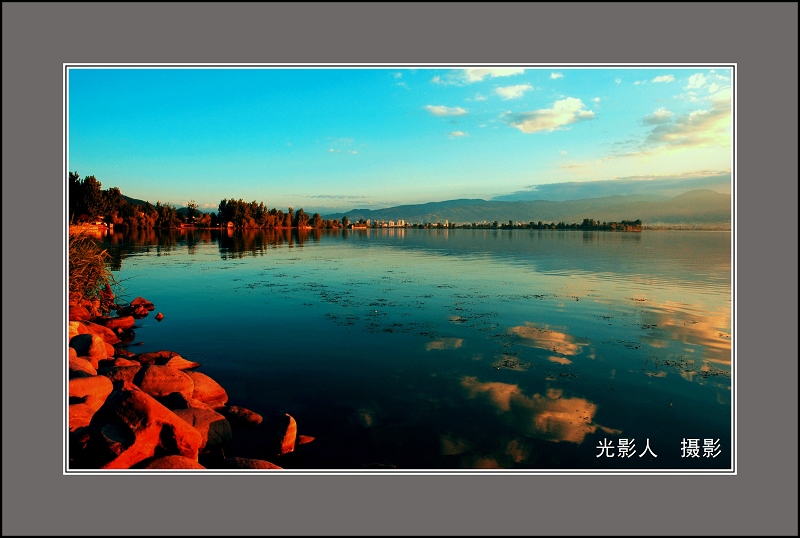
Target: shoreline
[{"x": 154, "y": 410}]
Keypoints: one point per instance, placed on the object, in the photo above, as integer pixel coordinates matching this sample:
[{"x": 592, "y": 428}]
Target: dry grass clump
[{"x": 90, "y": 275}]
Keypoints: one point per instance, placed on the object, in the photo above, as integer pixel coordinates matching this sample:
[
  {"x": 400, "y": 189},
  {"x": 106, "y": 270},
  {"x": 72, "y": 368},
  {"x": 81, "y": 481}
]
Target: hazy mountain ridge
[
  {"x": 696, "y": 207},
  {"x": 666, "y": 187}
]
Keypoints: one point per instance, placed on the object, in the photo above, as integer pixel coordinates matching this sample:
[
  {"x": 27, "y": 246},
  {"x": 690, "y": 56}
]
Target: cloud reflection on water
[{"x": 551, "y": 417}]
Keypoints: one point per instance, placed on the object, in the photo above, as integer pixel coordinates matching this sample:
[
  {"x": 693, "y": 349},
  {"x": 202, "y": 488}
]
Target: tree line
[{"x": 89, "y": 202}]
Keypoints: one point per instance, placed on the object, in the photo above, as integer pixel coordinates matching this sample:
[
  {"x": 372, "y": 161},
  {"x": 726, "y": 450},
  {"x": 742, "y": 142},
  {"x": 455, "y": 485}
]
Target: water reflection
[
  {"x": 444, "y": 343},
  {"x": 476, "y": 338},
  {"x": 551, "y": 417},
  {"x": 549, "y": 339}
]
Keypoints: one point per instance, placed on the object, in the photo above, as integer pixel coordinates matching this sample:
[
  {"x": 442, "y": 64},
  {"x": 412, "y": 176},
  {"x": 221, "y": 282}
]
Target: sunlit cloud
[
  {"x": 456, "y": 134},
  {"x": 596, "y": 100},
  {"x": 555, "y": 76},
  {"x": 697, "y": 128},
  {"x": 441, "y": 110},
  {"x": 564, "y": 112},
  {"x": 559, "y": 360},
  {"x": 664, "y": 78},
  {"x": 513, "y": 92}
]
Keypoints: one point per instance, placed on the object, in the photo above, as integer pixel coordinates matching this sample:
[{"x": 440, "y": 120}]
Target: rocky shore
[{"x": 153, "y": 410}]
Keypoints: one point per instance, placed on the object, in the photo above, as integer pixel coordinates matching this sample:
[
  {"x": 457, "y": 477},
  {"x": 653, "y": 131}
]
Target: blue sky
[{"x": 338, "y": 138}]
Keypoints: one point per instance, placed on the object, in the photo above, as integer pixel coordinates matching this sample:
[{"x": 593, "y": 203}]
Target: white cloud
[
  {"x": 352, "y": 152},
  {"x": 618, "y": 80},
  {"x": 468, "y": 76},
  {"x": 664, "y": 78},
  {"x": 458, "y": 133},
  {"x": 441, "y": 110},
  {"x": 564, "y": 112},
  {"x": 398, "y": 75},
  {"x": 479, "y": 97},
  {"x": 696, "y": 81},
  {"x": 476, "y": 75},
  {"x": 556, "y": 75},
  {"x": 513, "y": 92},
  {"x": 596, "y": 100},
  {"x": 713, "y": 87},
  {"x": 563, "y": 152},
  {"x": 662, "y": 115}
]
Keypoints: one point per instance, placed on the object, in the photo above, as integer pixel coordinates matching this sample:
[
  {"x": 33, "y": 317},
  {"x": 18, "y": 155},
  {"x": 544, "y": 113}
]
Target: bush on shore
[{"x": 90, "y": 277}]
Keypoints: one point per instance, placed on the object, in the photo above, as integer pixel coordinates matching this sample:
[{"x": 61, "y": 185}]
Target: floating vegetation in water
[{"x": 510, "y": 362}]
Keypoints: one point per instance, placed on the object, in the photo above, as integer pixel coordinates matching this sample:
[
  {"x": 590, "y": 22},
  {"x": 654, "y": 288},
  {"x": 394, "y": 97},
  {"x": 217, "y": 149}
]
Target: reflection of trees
[
  {"x": 551, "y": 417},
  {"x": 148, "y": 241},
  {"x": 235, "y": 243}
]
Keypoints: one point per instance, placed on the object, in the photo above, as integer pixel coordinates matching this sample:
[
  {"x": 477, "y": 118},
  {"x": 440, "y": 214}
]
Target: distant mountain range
[
  {"x": 664, "y": 186},
  {"x": 696, "y": 207}
]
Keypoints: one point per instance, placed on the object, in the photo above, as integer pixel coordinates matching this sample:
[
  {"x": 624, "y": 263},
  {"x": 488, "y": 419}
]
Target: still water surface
[{"x": 455, "y": 349}]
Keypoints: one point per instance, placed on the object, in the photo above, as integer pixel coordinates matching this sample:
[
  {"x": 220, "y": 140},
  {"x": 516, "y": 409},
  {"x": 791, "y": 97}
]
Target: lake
[{"x": 455, "y": 349}]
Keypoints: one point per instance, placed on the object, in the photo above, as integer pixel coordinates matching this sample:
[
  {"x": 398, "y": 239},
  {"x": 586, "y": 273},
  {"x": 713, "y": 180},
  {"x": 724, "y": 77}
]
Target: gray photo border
[{"x": 760, "y": 38}]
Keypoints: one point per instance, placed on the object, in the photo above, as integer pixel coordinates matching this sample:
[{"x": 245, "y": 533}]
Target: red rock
[
  {"x": 80, "y": 416},
  {"x": 133, "y": 426},
  {"x": 89, "y": 346},
  {"x": 171, "y": 462},
  {"x": 178, "y": 401},
  {"x": 109, "y": 336},
  {"x": 120, "y": 323},
  {"x": 288, "y": 434},
  {"x": 139, "y": 312},
  {"x": 117, "y": 374},
  {"x": 140, "y": 301},
  {"x": 109, "y": 350},
  {"x": 86, "y": 396},
  {"x": 207, "y": 390},
  {"x": 79, "y": 313},
  {"x": 75, "y": 328},
  {"x": 80, "y": 367},
  {"x": 179, "y": 363},
  {"x": 124, "y": 353},
  {"x": 304, "y": 439},
  {"x": 213, "y": 427},
  {"x": 156, "y": 357},
  {"x": 159, "y": 316},
  {"x": 124, "y": 362},
  {"x": 247, "y": 463},
  {"x": 239, "y": 416},
  {"x": 158, "y": 381},
  {"x": 73, "y": 354}
]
